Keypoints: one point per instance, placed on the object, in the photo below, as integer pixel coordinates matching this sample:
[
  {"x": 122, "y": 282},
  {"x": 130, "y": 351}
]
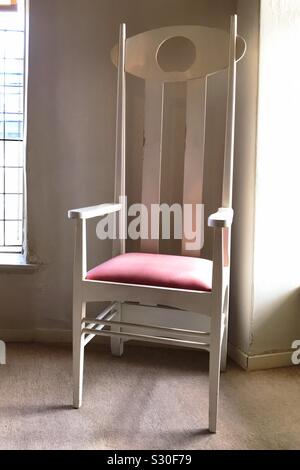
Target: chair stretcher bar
[
  {"x": 102, "y": 315},
  {"x": 108, "y": 314},
  {"x": 150, "y": 327},
  {"x": 149, "y": 338},
  {"x": 96, "y": 328}
]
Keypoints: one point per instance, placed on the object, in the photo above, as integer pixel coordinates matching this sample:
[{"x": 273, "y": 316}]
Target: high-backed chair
[{"x": 148, "y": 279}]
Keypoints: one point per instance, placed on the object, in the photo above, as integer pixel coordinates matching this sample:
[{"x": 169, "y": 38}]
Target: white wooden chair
[{"x": 115, "y": 280}]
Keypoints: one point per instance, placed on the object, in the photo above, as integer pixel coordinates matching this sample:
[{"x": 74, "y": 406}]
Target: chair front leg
[
  {"x": 216, "y": 328},
  {"x": 224, "y": 351},
  {"x": 214, "y": 374},
  {"x": 225, "y": 334},
  {"x": 79, "y": 309}
]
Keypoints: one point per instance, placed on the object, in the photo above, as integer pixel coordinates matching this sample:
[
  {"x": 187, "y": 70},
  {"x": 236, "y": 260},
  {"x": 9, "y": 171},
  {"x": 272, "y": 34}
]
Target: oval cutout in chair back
[
  {"x": 176, "y": 54},
  {"x": 207, "y": 53}
]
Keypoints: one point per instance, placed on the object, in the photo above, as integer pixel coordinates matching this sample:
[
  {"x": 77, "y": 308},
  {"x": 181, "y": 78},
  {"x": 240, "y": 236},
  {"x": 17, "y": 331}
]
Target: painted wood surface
[{"x": 138, "y": 55}]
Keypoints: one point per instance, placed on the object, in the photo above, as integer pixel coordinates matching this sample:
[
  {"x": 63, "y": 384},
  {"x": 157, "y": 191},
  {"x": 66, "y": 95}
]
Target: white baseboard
[
  {"x": 238, "y": 356},
  {"x": 270, "y": 360},
  {"x": 248, "y": 362}
]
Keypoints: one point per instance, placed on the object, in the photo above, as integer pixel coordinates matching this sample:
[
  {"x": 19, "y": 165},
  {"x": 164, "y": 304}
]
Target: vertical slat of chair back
[
  {"x": 230, "y": 119},
  {"x": 194, "y": 155},
  {"x": 119, "y": 245},
  {"x": 153, "y": 134}
]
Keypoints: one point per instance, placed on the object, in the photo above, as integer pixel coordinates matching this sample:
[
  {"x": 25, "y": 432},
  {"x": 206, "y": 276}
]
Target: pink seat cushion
[{"x": 179, "y": 272}]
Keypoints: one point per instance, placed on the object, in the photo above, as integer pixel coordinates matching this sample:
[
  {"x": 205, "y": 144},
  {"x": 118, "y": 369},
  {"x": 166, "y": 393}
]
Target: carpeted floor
[{"x": 149, "y": 399}]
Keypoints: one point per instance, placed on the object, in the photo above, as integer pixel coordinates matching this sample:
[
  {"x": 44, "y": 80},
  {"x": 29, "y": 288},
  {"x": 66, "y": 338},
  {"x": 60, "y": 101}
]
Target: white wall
[
  {"x": 241, "y": 299},
  {"x": 265, "y": 299},
  {"x": 276, "y": 314},
  {"x": 71, "y": 114}
]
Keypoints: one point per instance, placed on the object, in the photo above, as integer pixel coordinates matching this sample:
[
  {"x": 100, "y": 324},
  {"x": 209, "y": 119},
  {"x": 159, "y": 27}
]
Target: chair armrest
[
  {"x": 94, "y": 211},
  {"x": 221, "y": 219}
]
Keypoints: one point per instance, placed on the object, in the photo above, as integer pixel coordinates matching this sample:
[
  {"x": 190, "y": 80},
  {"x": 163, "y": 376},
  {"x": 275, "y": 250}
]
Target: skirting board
[
  {"x": 249, "y": 363},
  {"x": 270, "y": 360}
]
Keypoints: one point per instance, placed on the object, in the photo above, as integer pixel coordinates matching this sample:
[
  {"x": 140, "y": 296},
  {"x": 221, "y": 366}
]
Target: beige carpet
[{"x": 149, "y": 399}]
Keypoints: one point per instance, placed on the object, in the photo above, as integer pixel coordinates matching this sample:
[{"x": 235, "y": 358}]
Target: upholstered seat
[{"x": 178, "y": 272}]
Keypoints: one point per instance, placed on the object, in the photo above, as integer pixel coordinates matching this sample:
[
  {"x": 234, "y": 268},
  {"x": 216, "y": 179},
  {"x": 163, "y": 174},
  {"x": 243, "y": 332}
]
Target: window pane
[
  {"x": 1, "y": 153},
  {"x": 14, "y": 66},
  {"x": 12, "y": 60},
  {"x": 13, "y": 153},
  {"x": 13, "y": 207},
  {"x": 11, "y": 78},
  {"x": 14, "y": 103},
  {"x": 2, "y": 34},
  {"x": 14, "y": 44},
  {"x": 1, "y": 233},
  {"x": 13, "y": 233},
  {"x": 2, "y": 96},
  {"x": 1, "y": 207},
  {"x": 13, "y": 127},
  {"x": 13, "y": 21},
  {"x": 11, "y": 74},
  {"x": 1, "y": 180},
  {"x": 13, "y": 180}
]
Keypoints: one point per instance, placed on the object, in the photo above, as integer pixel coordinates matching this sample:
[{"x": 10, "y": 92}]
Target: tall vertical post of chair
[
  {"x": 120, "y": 157},
  {"x": 230, "y": 118},
  {"x": 119, "y": 245},
  {"x": 228, "y": 166},
  {"x": 216, "y": 328},
  {"x": 221, "y": 254},
  {"x": 79, "y": 307}
]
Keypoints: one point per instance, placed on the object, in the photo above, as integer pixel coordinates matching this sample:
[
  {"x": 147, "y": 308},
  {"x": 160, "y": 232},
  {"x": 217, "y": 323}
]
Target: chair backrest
[{"x": 175, "y": 54}]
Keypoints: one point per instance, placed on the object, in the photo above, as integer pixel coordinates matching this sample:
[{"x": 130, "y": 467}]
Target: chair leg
[
  {"x": 214, "y": 382},
  {"x": 117, "y": 344},
  {"x": 224, "y": 350},
  {"x": 78, "y": 352},
  {"x": 225, "y": 334}
]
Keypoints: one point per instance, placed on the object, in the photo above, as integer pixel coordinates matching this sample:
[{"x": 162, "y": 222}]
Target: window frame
[{"x": 21, "y": 249}]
